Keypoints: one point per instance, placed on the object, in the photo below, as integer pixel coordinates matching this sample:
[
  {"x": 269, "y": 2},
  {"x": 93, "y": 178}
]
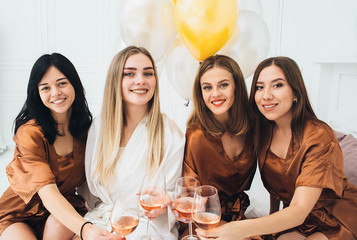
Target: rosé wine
[
  {"x": 205, "y": 220},
  {"x": 125, "y": 225}
]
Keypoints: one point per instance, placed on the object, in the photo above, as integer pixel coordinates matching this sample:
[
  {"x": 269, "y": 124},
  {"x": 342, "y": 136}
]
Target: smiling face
[
  {"x": 274, "y": 96},
  {"x": 139, "y": 81},
  {"x": 56, "y": 92},
  {"x": 218, "y": 87}
]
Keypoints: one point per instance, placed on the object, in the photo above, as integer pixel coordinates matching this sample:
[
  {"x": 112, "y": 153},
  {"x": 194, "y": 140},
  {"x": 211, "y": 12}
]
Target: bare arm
[
  {"x": 64, "y": 212},
  {"x": 303, "y": 201}
]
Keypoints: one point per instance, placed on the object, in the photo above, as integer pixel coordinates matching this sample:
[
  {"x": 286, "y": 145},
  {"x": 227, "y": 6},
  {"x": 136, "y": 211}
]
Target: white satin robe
[{"x": 129, "y": 173}]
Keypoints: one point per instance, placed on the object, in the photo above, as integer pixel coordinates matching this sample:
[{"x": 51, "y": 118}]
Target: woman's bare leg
[
  {"x": 54, "y": 230},
  {"x": 298, "y": 236},
  {"x": 291, "y": 236},
  {"x": 317, "y": 236},
  {"x": 18, "y": 231}
]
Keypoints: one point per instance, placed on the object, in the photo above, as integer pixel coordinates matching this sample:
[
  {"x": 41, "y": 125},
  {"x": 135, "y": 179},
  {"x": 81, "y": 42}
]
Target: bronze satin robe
[
  {"x": 316, "y": 162},
  {"x": 206, "y": 160},
  {"x": 36, "y": 164}
]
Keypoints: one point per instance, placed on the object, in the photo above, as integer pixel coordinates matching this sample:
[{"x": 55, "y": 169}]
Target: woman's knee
[
  {"x": 17, "y": 231},
  {"x": 55, "y": 230},
  {"x": 317, "y": 236},
  {"x": 291, "y": 235}
]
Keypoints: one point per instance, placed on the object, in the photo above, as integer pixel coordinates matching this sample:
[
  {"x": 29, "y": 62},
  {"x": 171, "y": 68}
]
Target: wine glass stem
[
  {"x": 190, "y": 228},
  {"x": 147, "y": 227}
]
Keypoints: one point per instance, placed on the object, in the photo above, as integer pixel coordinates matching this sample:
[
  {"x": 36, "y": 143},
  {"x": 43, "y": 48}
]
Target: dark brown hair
[
  {"x": 238, "y": 122},
  {"x": 301, "y": 109}
]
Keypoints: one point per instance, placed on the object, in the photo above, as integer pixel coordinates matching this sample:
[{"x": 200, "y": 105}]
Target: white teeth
[
  {"x": 139, "y": 91},
  {"x": 58, "y": 101},
  {"x": 270, "y": 106},
  {"x": 217, "y": 102}
]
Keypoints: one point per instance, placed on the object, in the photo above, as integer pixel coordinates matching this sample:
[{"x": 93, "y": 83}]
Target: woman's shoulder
[
  {"x": 30, "y": 135},
  {"x": 173, "y": 136},
  {"x": 319, "y": 131},
  {"x": 171, "y": 127},
  {"x": 195, "y": 133},
  {"x": 30, "y": 128}
]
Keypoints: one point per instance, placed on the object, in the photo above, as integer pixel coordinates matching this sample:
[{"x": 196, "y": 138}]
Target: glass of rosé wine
[
  {"x": 124, "y": 219},
  {"x": 207, "y": 211},
  {"x": 183, "y": 203},
  {"x": 152, "y": 195}
]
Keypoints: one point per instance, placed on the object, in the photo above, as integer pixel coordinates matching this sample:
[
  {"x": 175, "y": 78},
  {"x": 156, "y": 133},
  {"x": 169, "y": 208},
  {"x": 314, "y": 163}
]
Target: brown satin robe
[
  {"x": 36, "y": 164},
  {"x": 315, "y": 162},
  {"x": 206, "y": 160}
]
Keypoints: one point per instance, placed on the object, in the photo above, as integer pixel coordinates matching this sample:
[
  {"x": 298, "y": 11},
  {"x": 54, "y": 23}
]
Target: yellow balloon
[
  {"x": 174, "y": 1},
  {"x": 204, "y": 26}
]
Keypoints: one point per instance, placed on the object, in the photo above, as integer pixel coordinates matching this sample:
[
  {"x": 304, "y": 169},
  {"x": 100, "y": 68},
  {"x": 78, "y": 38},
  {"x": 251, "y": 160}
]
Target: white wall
[{"x": 321, "y": 35}]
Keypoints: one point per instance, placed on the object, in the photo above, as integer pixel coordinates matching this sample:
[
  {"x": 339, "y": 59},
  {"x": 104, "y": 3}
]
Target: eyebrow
[
  {"x": 134, "y": 68},
  {"x": 56, "y": 81},
  {"x": 224, "y": 80},
  {"x": 275, "y": 80}
]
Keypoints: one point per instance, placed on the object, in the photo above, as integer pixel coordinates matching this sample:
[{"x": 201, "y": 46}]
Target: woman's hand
[
  {"x": 228, "y": 231},
  {"x": 157, "y": 212},
  {"x": 64, "y": 212},
  {"x": 301, "y": 205},
  {"x": 91, "y": 232}
]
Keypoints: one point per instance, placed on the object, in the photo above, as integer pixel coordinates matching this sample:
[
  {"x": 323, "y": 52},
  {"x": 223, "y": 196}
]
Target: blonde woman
[{"x": 131, "y": 138}]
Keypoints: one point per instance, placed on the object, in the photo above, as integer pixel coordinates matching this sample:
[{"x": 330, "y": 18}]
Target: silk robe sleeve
[
  {"x": 30, "y": 169},
  {"x": 323, "y": 164}
]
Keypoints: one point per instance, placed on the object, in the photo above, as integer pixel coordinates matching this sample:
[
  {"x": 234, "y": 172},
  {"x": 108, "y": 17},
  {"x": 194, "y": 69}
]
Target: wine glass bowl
[
  {"x": 152, "y": 198},
  {"x": 182, "y": 209},
  {"x": 124, "y": 218},
  {"x": 152, "y": 195},
  {"x": 183, "y": 203},
  {"x": 206, "y": 212}
]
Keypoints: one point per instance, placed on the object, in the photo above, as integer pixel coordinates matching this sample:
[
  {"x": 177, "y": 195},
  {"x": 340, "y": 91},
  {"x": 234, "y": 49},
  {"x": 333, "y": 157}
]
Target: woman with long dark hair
[{"x": 48, "y": 165}]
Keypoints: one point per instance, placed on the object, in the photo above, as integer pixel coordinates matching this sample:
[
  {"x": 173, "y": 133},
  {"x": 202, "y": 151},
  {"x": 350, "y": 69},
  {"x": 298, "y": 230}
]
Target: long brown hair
[
  {"x": 301, "y": 109},
  {"x": 238, "y": 122}
]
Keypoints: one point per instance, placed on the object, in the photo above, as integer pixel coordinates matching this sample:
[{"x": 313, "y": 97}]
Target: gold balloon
[{"x": 205, "y": 26}]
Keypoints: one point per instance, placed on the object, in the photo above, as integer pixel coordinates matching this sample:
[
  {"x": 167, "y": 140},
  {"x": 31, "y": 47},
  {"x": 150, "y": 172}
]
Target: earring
[{"x": 295, "y": 100}]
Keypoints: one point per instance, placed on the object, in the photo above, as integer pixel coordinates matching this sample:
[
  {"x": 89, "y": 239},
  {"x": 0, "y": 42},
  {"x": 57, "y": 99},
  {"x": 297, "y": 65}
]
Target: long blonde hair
[{"x": 113, "y": 120}]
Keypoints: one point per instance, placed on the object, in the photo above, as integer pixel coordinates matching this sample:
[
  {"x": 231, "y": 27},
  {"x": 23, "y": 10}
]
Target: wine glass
[
  {"x": 183, "y": 203},
  {"x": 207, "y": 211},
  {"x": 124, "y": 218},
  {"x": 152, "y": 195}
]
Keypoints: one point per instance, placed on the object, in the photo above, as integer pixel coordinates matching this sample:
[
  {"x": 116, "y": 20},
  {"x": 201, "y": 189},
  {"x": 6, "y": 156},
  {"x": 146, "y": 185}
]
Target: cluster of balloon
[
  {"x": 149, "y": 24},
  {"x": 184, "y": 32}
]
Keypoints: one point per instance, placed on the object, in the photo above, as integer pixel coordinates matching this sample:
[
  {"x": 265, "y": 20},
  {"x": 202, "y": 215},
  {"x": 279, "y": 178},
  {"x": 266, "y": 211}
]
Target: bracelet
[{"x": 80, "y": 233}]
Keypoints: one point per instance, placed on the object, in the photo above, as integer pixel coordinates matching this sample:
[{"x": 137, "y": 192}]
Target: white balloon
[
  {"x": 253, "y": 42},
  {"x": 181, "y": 69},
  {"x": 250, "y": 5},
  {"x": 149, "y": 24}
]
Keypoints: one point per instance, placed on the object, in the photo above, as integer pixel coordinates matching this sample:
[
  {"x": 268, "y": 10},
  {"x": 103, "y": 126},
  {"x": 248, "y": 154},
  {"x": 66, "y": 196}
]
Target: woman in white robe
[{"x": 130, "y": 139}]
